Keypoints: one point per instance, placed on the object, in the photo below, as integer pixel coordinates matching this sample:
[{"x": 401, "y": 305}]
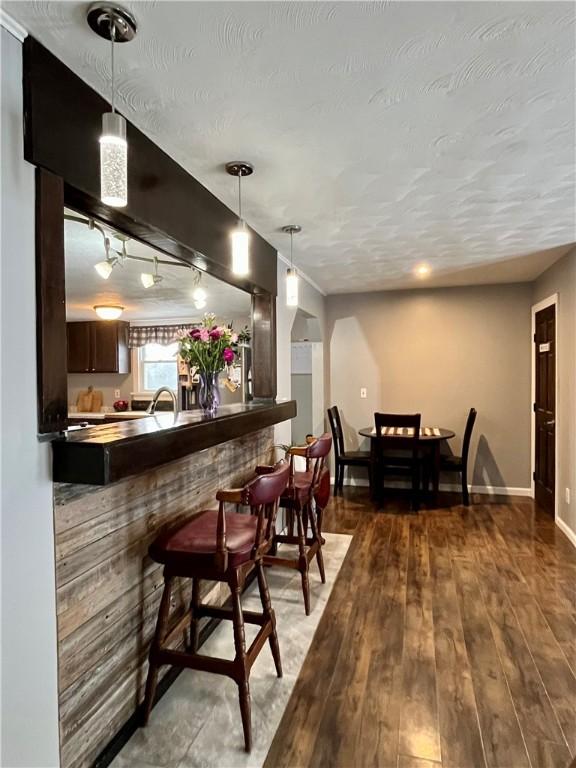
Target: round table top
[{"x": 445, "y": 434}]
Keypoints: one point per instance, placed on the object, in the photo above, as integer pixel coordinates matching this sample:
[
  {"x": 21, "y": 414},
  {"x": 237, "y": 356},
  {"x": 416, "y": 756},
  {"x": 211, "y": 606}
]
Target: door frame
[{"x": 551, "y": 300}]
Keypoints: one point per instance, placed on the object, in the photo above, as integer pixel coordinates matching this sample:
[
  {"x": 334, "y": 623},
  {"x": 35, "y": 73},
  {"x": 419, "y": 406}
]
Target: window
[{"x": 158, "y": 366}]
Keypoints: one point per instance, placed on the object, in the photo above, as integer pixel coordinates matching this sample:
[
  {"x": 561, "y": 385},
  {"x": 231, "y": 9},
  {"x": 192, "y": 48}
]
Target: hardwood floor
[{"x": 449, "y": 641}]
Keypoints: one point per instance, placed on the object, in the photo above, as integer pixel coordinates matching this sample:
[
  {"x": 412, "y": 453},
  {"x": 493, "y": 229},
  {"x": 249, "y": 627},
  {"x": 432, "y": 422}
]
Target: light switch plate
[
  {"x": 116, "y": 393},
  {"x": 363, "y": 393},
  {"x": 567, "y": 495}
]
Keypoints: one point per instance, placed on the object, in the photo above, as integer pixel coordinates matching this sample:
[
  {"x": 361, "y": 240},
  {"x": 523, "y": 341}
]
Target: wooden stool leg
[
  {"x": 159, "y": 635},
  {"x": 194, "y": 618},
  {"x": 240, "y": 660},
  {"x": 317, "y": 537},
  {"x": 270, "y": 615},
  {"x": 302, "y": 560}
]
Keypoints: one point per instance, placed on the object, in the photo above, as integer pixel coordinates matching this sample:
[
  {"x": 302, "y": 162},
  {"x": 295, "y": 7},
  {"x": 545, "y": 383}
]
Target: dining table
[{"x": 430, "y": 439}]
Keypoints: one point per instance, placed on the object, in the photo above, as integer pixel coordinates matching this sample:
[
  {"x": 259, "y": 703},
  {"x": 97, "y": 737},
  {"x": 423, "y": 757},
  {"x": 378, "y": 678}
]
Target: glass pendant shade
[
  {"x": 291, "y": 288},
  {"x": 200, "y": 303},
  {"x": 240, "y": 251},
  {"x": 113, "y": 161},
  {"x": 104, "y": 268},
  {"x": 199, "y": 294},
  {"x": 108, "y": 313}
]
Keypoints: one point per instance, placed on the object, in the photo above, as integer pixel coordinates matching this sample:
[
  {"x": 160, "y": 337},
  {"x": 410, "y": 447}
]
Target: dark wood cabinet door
[
  {"x": 545, "y": 409},
  {"x": 104, "y": 346},
  {"x": 98, "y": 347},
  {"x": 79, "y": 347}
]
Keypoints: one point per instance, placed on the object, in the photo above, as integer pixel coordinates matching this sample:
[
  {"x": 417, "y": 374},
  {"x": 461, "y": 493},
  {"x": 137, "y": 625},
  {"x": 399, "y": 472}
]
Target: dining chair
[
  {"x": 344, "y": 458},
  {"x": 220, "y": 546},
  {"x": 410, "y": 463},
  {"x": 451, "y": 463}
]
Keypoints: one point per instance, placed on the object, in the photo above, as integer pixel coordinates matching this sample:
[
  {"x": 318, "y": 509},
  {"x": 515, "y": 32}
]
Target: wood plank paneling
[{"x": 108, "y": 589}]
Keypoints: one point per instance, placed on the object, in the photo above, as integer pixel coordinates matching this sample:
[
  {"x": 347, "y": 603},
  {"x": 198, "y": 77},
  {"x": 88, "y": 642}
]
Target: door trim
[{"x": 551, "y": 300}]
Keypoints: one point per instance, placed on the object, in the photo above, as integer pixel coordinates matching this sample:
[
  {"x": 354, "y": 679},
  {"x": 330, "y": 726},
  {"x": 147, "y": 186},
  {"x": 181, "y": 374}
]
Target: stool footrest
[
  {"x": 285, "y": 562},
  {"x": 216, "y": 612},
  {"x": 256, "y": 646},
  {"x": 183, "y": 622},
  {"x": 196, "y": 661},
  {"x": 283, "y": 538}
]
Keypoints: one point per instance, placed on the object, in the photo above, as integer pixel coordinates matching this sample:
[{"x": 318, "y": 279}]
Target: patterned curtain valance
[{"x": 156, "y": 334}]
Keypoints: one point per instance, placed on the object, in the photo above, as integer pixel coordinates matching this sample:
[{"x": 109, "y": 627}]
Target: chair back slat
[
  {"x": 336, "y": 429},
  {"x": 406, "y": 421},
  {"x": 262, "y": 495},
  {"x": 468, "y": 435}
]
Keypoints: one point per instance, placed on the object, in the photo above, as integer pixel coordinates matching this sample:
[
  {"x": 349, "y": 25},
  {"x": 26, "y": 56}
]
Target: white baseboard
[
  {"x": 570, "y": 535},
  {"x": 486, "y": 490}
]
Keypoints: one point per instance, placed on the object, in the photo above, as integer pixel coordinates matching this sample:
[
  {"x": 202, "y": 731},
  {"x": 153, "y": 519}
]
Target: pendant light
[
  {"x": 116, "y": 24},
  {"x": 240, "y": 236},
  {"x": 291, "y": 274}
]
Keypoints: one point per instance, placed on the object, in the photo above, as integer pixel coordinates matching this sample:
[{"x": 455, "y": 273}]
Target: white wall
[
  {"x": 29, "y": 711},
  {"x": 313, "y": 303}
]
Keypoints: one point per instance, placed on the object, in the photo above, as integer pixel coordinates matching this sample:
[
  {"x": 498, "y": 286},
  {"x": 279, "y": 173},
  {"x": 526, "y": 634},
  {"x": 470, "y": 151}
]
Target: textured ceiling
[
  {"x": 171, "y": 299},
  {"x": 393, "y": 132}
]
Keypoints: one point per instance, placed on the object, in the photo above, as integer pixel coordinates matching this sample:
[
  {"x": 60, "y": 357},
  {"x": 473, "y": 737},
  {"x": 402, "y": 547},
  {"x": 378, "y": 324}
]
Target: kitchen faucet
[{"x": 156, "y": 396}]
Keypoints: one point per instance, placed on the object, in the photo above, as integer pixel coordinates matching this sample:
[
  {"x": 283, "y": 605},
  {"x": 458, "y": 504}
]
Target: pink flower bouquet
[{"x": 209, "y": 346}]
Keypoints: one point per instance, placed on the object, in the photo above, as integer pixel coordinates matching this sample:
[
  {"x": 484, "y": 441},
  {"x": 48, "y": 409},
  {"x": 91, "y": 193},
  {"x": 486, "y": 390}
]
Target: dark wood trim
[
  {"x": 168, "y": 209},
  {"x": 105, "y": 454},
  {"x": 63, "y": 117},
  {"x": 264, "y": 345},
  {"x": 50, "y": 304}
]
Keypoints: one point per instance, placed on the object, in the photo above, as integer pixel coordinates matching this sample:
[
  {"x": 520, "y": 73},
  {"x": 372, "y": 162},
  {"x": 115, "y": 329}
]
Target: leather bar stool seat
[
  {"x": 198, "y": 538},
  {"x": 217, "y": 546}
]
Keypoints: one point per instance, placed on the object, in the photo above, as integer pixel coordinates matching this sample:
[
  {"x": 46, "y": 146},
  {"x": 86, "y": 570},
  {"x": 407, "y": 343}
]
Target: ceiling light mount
[
  {"x": 239, "y": 168},
  {"x": 106, "y": 18},
  {"x": 292, "y": 229}
]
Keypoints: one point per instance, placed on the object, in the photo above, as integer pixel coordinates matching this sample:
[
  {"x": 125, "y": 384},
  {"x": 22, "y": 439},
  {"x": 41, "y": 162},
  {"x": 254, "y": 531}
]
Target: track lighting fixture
[
  {"x": 292, "y": 279},
  {"x": 149, "y": 279},
  {"x": 104, "y": 268},
  {"x": 240, "y": 236}
]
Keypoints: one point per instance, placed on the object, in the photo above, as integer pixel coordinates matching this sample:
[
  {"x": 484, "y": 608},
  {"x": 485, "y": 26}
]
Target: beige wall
[
  {"x": 440, "y": 352},
  {"x": 561, "y": 279}
]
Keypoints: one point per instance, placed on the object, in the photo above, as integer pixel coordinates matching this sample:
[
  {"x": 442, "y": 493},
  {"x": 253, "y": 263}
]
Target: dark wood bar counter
[{"x": 110, "y": 452}]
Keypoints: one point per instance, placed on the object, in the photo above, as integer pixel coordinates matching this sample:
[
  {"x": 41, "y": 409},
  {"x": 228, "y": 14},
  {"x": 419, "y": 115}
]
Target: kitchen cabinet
[{"x": 98, "y": 347}]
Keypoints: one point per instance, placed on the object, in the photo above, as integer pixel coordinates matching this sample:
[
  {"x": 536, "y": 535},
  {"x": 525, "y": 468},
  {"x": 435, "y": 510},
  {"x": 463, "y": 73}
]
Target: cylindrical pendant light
[
  {"x": 240, "y": 236},
  {"x": 292, "y": 279},
  {"x": 116, "y": 24}
]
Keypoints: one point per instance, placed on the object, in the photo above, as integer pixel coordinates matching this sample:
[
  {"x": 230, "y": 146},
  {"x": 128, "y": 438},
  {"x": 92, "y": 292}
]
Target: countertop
[
  {"x": 101, "y": 415},
  {"x": 105, "y": 453}
]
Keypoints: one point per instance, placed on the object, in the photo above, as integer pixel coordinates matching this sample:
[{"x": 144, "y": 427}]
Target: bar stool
[
  {"x": 220, "y": 547},
  {"x": 305, "y": 498}
]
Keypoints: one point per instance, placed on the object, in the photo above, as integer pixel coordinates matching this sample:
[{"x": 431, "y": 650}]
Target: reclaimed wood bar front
[{"x": 108, "y": 589}]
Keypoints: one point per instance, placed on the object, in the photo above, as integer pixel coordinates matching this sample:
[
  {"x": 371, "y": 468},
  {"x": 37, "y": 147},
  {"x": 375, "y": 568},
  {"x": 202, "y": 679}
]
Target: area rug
[{"x": 197, "y": 723}]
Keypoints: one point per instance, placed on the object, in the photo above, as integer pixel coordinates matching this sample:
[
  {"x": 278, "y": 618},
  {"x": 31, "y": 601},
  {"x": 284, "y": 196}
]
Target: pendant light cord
[
  {"x": 240, "y": 195},
  {"x": 291, "y": 251},
  {"x": 112, "y": 41}
]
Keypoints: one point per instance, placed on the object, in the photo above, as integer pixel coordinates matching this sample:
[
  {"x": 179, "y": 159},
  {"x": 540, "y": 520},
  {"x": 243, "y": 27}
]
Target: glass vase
[{"x": 208, "y": 394}]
